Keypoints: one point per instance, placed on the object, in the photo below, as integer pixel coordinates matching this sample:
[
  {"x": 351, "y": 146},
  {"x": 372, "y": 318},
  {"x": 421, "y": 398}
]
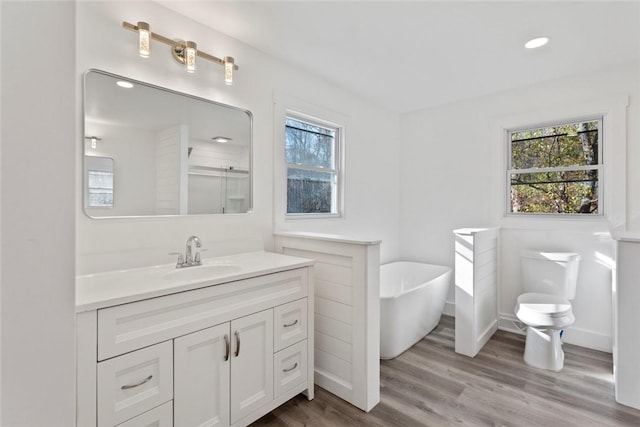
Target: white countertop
[
  {"x": 624, "y": 234},
  {"x": 356, "y": 240},
  {"x": 100, "y": 290}
]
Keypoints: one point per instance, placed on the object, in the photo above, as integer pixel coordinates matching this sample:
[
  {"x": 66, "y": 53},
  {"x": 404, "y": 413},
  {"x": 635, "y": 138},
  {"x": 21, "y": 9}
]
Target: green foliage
[{"x": 540, "y": 190}]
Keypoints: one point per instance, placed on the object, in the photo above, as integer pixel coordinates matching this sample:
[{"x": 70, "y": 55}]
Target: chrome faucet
[{"x": 189, "y": 260}]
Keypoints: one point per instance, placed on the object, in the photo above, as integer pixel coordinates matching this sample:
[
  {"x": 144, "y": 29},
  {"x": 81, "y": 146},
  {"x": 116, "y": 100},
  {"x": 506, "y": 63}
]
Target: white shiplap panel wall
[
  {"x": 347, "y": 313},
  {"x": 476, "y": 293},
  {"x": 171, "y": 178}
]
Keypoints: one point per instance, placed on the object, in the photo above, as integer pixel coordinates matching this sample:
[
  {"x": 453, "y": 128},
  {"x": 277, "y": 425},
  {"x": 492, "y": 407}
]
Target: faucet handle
[
  {"x": 180, "y": 259},
  {"x": 197, "y": 259}
]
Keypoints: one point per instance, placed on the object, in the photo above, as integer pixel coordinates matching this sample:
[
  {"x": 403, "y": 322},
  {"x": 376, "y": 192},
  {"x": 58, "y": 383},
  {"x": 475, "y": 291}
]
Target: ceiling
[{"x": 413, "y": 55}]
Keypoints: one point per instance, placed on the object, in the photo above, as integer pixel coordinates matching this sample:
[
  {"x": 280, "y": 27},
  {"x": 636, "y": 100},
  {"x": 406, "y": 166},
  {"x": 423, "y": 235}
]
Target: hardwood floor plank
[{"x": 431, "y": 385}]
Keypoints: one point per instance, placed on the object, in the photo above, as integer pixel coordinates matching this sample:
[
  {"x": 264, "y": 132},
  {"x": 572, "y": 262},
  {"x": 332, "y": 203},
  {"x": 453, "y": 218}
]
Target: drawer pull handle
[
  {"x": 288, "y": 325},
  {"x": 144, "y": 381},
  {"x": 227, "y": 347},
  {"x": 295, "y": 365},
  {"x": 237, "y": 334}
]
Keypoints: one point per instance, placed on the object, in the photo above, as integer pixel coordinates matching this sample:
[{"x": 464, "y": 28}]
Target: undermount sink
[{"x": 201, "y": 272}]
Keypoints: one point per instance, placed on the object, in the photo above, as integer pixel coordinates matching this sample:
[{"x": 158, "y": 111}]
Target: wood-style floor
[{"x": 431, "y": 385}]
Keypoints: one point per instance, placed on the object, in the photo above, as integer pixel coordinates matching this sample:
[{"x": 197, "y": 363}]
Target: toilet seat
[{"x": 544, "y": 311}]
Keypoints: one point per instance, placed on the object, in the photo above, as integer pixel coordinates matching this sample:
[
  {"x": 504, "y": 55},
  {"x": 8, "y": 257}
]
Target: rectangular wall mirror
[{"x": 153, "y": 151}]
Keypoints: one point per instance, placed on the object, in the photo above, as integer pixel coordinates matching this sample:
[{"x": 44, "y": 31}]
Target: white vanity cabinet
[{"x": 218, "y": 355}]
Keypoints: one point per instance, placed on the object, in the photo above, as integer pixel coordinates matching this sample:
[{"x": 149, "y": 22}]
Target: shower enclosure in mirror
[{"x": 154, "y": 151}]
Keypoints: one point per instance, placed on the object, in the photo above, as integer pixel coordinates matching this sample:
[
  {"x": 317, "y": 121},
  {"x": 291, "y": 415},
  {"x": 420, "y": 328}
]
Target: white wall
[
  {"x": 372, "y": 199},
  {"x": 37, "y": 314},
  {"x": 452, "y": 176}
]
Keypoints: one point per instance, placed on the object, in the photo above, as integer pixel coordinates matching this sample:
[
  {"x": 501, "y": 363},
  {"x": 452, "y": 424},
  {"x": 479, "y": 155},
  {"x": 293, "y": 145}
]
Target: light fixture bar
[{"x": 179, "y": 45}]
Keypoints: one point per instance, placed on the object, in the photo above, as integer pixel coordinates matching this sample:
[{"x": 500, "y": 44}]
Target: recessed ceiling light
[
  {"x": 221, "y": 139},
  {"x": 537, "y": 42},
  {"x": 126, "y": 85}
]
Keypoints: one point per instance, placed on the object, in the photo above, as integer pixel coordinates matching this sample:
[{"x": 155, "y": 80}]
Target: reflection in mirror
[
  {"x": 153, "y": 151},
  {"x": 99, "y": 180}
]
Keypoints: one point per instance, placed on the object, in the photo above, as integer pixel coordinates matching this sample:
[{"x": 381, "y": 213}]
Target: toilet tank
[{"x": 554, "y": 273}]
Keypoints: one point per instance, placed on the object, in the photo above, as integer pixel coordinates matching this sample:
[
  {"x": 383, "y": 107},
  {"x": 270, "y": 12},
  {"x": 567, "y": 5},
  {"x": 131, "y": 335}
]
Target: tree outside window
[
  {"x": 556, "y": 169},
  {"x": 312, "y": 158}
]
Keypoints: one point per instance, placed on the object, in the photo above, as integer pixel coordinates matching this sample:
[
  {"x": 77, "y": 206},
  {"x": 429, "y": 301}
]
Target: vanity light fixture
[
  {"x": 144, "y": 39},
  {"x": 228, "y": 70},
  {"x": 183, "y": 52},
  {"x": 94, "y": 141}
]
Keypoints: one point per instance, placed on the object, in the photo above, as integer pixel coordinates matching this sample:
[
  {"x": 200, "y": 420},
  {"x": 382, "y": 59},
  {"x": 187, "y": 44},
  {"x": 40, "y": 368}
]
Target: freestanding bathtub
[{"x": 412, "y": 297}]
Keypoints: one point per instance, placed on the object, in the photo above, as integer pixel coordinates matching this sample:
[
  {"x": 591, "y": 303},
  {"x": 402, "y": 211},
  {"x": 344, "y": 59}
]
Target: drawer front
[
  {"x": 134, "y": 383},
  {"x": 131, "y": 326},
  {"x": 290, "y": 368},
  {"x": 290, "y": 324},
  {"x": 162, "y": 416}
]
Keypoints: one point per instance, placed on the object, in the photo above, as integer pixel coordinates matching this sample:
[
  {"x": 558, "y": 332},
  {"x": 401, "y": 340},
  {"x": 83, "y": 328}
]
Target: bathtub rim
[{"x": 444, "y": 270}]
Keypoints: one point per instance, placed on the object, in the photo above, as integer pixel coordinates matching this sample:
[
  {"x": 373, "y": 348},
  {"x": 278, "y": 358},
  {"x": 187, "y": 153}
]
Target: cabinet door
[
  {"x": 251, "y": 363},
  {"x": 202, "y": 364}
]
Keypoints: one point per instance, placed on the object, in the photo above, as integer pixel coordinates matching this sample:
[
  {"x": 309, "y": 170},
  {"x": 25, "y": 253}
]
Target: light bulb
[
  {"x": 190, "y": 52},
  {"x": 228, "y": 70},
  {"x": 144, "y": 39}
]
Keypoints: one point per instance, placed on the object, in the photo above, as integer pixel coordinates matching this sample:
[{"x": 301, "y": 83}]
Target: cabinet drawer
[
  {"x": 290, "y": 368},
  {"x": 131, "y": 384},
  {"x": 290, "y": 324},
  {"x": 162, "y": 416},
  {"x": 135, "y": 325}
]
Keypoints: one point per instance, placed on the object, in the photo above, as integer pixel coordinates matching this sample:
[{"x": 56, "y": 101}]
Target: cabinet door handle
[
  {"x": 237, "y": 334},
  {"x": 295, "y": 365},
  {"x": 288, "y": 325},
  {"x": 227, "y": 347},
  {"x": 129, "y": 386}
]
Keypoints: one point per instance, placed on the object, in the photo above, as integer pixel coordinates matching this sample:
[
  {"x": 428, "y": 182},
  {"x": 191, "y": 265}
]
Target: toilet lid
[{"x": 544, "y": 310}]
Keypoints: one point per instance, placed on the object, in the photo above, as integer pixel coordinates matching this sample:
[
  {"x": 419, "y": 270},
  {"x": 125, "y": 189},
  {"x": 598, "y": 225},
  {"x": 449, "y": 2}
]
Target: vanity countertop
[
  {"x": 626, "y": 235},
  {"x": 100, "y": 290}
]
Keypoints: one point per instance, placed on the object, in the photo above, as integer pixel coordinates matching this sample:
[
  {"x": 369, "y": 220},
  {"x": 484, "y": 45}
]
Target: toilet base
[{"x": 543, "y": 349}]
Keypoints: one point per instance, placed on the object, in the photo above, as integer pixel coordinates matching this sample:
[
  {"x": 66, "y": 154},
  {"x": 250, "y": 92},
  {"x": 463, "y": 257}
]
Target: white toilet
[{"x": 550, "y": 283}]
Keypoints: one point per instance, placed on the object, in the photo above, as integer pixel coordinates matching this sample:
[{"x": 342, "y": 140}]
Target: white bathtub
[{"x": 412, "y": 297}]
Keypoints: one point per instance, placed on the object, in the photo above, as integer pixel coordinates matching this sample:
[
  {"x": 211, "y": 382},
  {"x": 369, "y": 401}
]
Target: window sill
[
  {"x": 555, "y": 222},
  {"x": 297, "y": 217}
]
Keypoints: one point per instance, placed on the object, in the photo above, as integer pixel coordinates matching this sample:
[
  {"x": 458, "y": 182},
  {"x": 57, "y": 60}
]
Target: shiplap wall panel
[
  {"x": 334, "y": 292},
  {"x": 347, "y": 314},
  {"x": 333, "y": 328},
  {"x": 171, "y": 175},
  {"x": 476, "y": 293}
]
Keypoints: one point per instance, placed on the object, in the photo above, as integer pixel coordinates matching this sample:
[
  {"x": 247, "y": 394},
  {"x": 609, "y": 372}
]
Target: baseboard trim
[
  {"x": 449, "y": 309},
  {"x": 576, "y": 336}
]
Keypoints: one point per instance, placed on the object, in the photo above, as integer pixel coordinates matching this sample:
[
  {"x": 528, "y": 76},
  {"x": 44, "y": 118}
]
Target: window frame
[
  {"x": 599, "y": 167},
  {"x": 337, "y": 196}
]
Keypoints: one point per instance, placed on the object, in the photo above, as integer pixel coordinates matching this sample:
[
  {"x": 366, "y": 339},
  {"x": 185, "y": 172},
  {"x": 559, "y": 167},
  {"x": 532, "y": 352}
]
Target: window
[
  {"x": 312, "y": 156},
  {"x": 556, "y": 169},
  {"x": 99, "y": 182},
  {"x": 100, "y": 189}
]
